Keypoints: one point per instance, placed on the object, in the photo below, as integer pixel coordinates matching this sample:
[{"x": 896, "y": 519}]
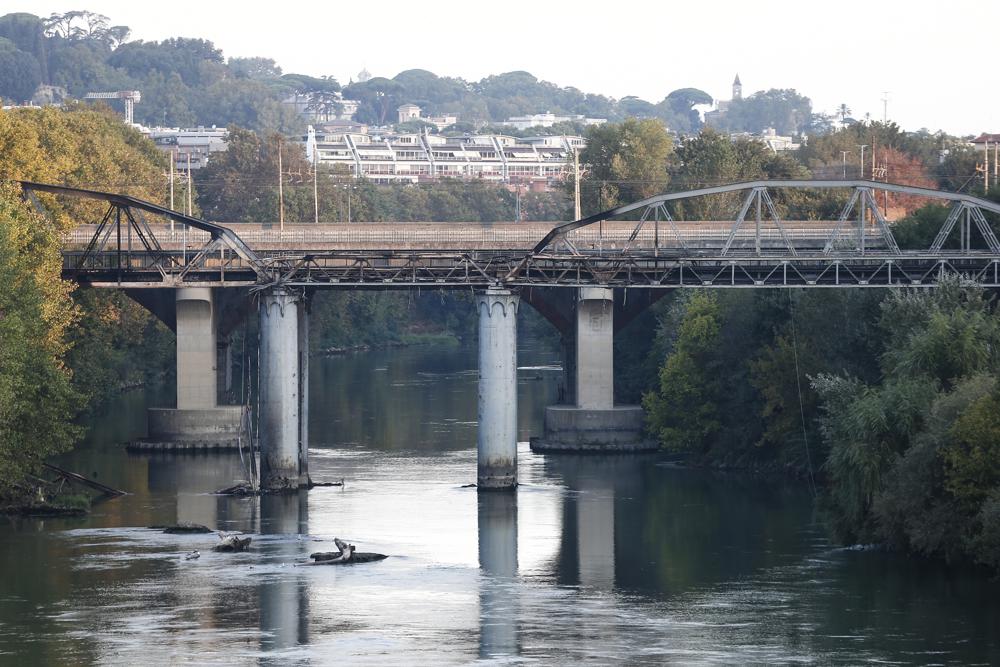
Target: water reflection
[
  {"x": 432, "y": 398},
  {"x": 498, "y": 606},
  {"x": 599, "y": 560},
  {"x": 283, "y": 594}
]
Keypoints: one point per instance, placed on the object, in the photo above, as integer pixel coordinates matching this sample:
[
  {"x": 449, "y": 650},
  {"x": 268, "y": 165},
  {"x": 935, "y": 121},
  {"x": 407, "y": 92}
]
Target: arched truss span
[
  {"x": 123, "y": 222},
  {"x": 860, "y": 210}
]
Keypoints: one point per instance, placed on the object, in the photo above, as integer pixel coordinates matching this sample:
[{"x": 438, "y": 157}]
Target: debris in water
[
  {"x": 232, "y": 543},
  {"x": 346, "y": 556},
  {"x": 183, "y": 528}
]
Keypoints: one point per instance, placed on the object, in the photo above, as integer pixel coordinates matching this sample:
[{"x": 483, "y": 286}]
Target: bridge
[{"x": 588, "y": 277}]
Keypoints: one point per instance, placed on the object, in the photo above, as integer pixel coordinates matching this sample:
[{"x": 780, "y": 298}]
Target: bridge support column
[
  {"x": 198, "y": 422},
  {"x": 594, "y": 423},
  {"x": 279, "y": 418},
  {"x": 497, "y": 440},
  {"x": 302, "y": 315},
  {"x": 196, "y": 349}
]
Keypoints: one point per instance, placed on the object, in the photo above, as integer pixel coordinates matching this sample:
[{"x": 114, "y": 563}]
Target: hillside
[{"x": 186, "y": 82}]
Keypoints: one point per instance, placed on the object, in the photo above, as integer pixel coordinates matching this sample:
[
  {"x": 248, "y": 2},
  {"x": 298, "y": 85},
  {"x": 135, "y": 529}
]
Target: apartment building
[
  {"x": 188, "y": 146},
  {"x": 540, "y": 162}
]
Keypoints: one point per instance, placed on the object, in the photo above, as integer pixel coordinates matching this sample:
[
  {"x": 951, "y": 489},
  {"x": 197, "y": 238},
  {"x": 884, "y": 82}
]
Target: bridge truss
[{"x": 759, "y": 249}]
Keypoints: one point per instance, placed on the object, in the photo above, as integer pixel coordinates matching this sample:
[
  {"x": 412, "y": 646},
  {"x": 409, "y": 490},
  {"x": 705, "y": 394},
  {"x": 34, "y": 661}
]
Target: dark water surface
[{"x": 593, "y": 560}]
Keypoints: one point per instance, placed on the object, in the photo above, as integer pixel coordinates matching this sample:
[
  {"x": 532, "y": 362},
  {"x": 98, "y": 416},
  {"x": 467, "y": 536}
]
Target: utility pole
[
  {"x": 190, "y": 198},
  {"x": 843, "y": 154},
  {"x": 281, "y": 193},
  {"x": 517, "y": 211},
  {"x": 173, "y": 156},
  {"x": 862, "y": 147},
  {"x": 577, "y": 213},
  {"x": 986, "y": 169},
  {"x": 315, "y": 186}
]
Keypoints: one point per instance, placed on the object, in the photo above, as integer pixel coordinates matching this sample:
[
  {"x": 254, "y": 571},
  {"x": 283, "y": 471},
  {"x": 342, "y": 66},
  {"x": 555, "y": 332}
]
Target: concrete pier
[
  {"x": 198, "y": 421},
  {"x": 197, "y": 382},
  {"x": 279, "y": 421},
  {"x": 593, "y": 423},
  {"x": 497, "y": 441},
  {"x": 302, "y": 314}
]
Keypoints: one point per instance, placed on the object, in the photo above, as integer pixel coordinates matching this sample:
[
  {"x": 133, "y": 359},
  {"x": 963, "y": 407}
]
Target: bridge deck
[{"x": 473, "y": 236}]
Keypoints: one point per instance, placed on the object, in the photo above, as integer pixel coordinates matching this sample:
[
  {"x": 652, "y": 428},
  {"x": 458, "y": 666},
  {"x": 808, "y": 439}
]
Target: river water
[{"x": 593, "y": 560}]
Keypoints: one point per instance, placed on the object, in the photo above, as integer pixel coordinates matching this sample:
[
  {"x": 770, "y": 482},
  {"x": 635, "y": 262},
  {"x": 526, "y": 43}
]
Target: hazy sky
[{"x": 936, "y": 59}]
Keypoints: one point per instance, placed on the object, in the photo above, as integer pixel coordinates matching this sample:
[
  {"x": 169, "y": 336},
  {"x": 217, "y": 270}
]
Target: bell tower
[{"x": 737, "y": 88}]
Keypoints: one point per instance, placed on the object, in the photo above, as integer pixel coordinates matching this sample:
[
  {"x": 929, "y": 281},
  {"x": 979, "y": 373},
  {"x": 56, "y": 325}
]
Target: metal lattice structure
[
  {"x": 124, "y": 248},
  {"x": 755, "y": 248}
]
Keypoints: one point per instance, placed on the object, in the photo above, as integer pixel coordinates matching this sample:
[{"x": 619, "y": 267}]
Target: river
[{"x": 594, "y": 560}]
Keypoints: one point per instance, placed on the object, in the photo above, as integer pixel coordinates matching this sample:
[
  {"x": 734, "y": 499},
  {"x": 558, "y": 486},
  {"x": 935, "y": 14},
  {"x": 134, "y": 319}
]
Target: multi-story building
[
  {"x": 548, "y": 120},
  {"x": 770, "y": 138},
  {"x": 194, "y": 144},
  {"x": 321, "y": 107},
  {"x": 415, "y": 158}
]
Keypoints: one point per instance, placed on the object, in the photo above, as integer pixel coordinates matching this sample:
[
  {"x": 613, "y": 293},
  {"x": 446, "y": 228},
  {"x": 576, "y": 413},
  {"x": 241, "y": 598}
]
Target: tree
[
  {"x": 254, "y": 68},
  {"x": 20, "y": 75},
  {"x": 37, "y": 399},
  {"x": 684, "y": 410},
  {"x": 785, "y": 110},
  {"x": 625, "y": 162},
  {"x": 844, "y": 112},
  {"x": 379, "y": 98},
  {"x": 678, "y": 108}
]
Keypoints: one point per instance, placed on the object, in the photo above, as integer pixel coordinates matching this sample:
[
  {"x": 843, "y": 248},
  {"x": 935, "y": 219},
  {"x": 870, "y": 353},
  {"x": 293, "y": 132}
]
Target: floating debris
[
  {"x": 183, "y": 528},
  {"x": 232, "y": 543},
  {"x": 346, "y": 556}
]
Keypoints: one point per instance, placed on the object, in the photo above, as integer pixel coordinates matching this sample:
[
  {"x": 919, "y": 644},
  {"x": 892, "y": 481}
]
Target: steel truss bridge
[{"x": 137, "y": 244}]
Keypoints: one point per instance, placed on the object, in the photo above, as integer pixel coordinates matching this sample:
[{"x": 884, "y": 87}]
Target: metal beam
[{"x": 748, "y": 185}]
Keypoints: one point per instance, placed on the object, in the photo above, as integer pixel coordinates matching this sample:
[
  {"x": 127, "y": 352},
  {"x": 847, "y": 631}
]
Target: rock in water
[
  {"x": 346, "y": 556},
  {"x": 184, "y": 528},
  {"x": 232, "y": 544}
]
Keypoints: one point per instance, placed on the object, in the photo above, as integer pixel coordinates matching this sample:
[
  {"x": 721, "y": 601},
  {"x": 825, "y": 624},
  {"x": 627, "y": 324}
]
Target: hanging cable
[{"x": 798, "y": 384}]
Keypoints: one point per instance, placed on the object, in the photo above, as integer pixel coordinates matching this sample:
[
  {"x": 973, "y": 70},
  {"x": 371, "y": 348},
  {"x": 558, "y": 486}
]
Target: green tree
[
  {"x": 625, "y": 162},
  {"x": 683, "y": 412},
  {"x": 37, "y": 402},
  {"x": 20, "y": 75}
]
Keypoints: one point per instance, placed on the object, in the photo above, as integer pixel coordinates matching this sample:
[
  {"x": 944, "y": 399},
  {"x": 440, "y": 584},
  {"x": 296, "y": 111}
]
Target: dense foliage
[{"x": 61, "y": 350}]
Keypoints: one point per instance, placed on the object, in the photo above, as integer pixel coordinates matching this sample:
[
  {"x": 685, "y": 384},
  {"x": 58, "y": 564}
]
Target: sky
[{"x": 935, "y": 62}]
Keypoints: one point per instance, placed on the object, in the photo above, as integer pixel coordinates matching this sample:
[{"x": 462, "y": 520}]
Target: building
[
  {"x": 408, "y": 112},
  {"x": 548, "y": 120},
  {"x": 194, "y": 144},
  {"x": 985, "y": 141},
  {"x": 770, "y": 138},
  {"x": 539, "y": 162},
  {"x": 321, "y": 107},
  {"x": 721, "y": 106}
]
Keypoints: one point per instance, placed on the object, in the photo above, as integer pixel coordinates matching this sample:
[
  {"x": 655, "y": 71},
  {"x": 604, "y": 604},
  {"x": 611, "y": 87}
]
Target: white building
[
  {"x": 408, "y": 112},
  {"x": 770, "y": 138},
  {"x": 548, "y": 120},
  {"x": 416, "y": 158},
  {"x": 321, "y": 107},
  {"x": 196, "y": 144}
]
